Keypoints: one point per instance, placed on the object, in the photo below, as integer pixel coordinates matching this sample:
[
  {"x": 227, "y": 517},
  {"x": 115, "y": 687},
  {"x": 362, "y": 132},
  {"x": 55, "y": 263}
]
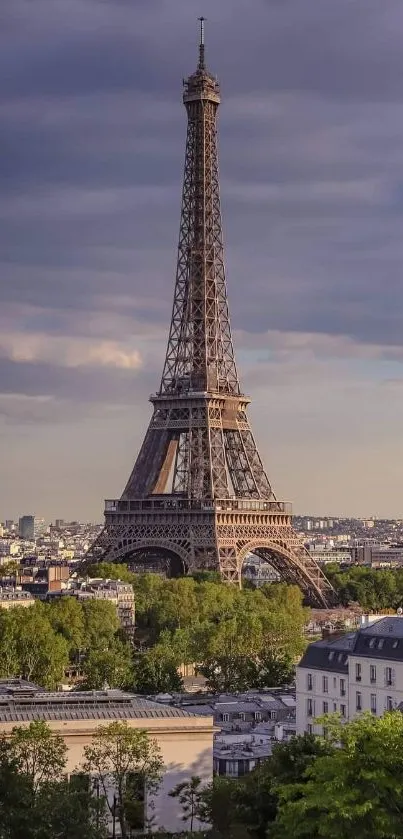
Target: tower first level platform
[{"x": 211, "y": 535}]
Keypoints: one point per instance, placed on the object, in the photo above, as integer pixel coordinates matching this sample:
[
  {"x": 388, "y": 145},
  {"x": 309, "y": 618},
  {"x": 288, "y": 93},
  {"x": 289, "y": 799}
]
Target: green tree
[
  {"x": 67, "y": 618},
  {"x": 9, "y": 659},
  {"x": 15, "y": 796},
  {"x": 40, "y": 755},
  {"x": 116, "y": 753},
  {"x": 356, "y": 789},
  {"x": 112, "y": 667},
  {"x": 101, "y": 623},
  {"x": 247, "y": 807},
  {"x": 68, "y": 812},
  {"x": 41, "y": 653},
  {"x": 33, "y": 805},
  {"x": 111, "y": 571},
  {"x": 155, "y": 671},
  {"x": 190, "y": 797}
]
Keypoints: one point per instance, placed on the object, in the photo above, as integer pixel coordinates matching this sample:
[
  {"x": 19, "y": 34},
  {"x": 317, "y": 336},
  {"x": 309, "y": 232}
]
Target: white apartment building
[{"x": 360, "y": 671}]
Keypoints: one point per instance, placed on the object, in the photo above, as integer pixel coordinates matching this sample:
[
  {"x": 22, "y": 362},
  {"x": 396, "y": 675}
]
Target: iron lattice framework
[{"x": 198, "y": 491}]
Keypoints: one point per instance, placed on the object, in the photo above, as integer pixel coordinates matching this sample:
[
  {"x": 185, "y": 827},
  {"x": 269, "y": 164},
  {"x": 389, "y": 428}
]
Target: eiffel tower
[{"x": 198, "y": 496}]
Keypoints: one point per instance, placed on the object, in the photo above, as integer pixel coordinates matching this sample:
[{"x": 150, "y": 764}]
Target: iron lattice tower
[{"x": 198, "y": 491}]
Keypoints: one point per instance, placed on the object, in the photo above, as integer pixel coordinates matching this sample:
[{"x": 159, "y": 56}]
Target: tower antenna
[{"x": 201, "y": 45}]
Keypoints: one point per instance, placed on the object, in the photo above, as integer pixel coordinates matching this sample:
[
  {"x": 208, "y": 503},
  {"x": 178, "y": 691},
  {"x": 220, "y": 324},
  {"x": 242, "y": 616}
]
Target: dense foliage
[
  {"x": 237, "y": 639},
  {"x": 350, "y": 784},
  {"x": 37, "y": 801},
  {"x": 39, "y": 642},
  {"x": 374, "y": 589}
]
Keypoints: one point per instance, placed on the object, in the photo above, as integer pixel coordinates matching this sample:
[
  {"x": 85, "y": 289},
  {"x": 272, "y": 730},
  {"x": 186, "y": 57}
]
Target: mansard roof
[
  {"x": 382, "y": 639},
  {"x": 330, "y": 654}
]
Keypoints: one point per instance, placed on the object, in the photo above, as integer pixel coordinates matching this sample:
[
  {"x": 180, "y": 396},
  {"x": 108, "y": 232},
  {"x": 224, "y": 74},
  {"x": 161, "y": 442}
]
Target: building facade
[
  {"x": 119, "y": 593},
  {"x": 360, "y": 671},
  {"x": 30, "y": 527},
  {"x": 185, "y": 739}
]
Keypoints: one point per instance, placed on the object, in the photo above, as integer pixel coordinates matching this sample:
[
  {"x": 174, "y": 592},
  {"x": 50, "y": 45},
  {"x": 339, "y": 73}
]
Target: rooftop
[
  {"x": 391, "y": 625},
  {"x": 22, "y": 701},
  {"x": 331, "y": 654},
  {"x": 381, "y": 639}
]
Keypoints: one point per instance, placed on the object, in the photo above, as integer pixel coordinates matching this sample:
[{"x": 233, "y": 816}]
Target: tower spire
[{"x": 201, "y": 65}]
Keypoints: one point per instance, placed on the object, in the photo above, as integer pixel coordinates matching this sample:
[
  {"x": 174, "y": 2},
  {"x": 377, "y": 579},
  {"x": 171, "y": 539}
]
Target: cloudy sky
[{"x": 91, "y": 155}]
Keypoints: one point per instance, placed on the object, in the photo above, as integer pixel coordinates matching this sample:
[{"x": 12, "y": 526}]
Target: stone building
[{"x": 185, "y": 739}]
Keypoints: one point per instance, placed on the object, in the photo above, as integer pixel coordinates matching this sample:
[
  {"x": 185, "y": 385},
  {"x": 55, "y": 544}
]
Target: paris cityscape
[{"x": 204, "y": 652}]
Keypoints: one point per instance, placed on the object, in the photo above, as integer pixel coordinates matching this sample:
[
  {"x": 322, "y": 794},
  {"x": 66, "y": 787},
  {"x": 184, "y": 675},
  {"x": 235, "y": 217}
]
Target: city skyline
[{"x": 310, "y": 151}]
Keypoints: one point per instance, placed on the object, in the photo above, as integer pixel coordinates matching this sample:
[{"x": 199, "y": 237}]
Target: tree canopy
[
  {"x": 374, "y": 589},
  {"x": 356, "y": 789},
  {"x": 238, "y": 639}
]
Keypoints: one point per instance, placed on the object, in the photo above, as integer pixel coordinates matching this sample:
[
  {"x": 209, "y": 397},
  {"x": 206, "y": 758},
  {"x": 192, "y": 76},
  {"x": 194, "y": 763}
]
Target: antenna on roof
[{"x": 201, "y": 44}]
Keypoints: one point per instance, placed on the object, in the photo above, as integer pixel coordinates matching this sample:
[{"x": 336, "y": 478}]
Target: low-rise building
[
  {"x": 359, "y": 671},
  {"x": 115, "y": 591},
  {"x": 10, "y": 597},
  {"x": 185, "y": 739},
  {"x": 247, "y": 725},
  {"x": 379, "y": 556}
]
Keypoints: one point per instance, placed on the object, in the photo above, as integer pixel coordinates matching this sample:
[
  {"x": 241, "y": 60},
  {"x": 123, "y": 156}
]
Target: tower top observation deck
[{"x": 201, "y": 85}]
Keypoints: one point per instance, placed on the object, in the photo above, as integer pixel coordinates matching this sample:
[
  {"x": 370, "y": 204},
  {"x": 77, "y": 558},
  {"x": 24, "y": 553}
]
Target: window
[
  {"x": 372, "y": 674},
  {"x": 309, "y": 728},
  {"x": 373, "y": 703},
  {"x": 309, "y": 707},
  {"x": 225, "y": 717},
  {"x": 389, "y": 676},
  {"x": 342, "y": 687},
  {"x": 358, "y": 672},
  {"x": 395, "y": 644},
  {"x": 334, "y": 707},
  {"x": 309, "y": 681},
  {"x": 389, "y": 703},
  {"x": 334, "y": 681},
  {"x": 358, "y": 701},
  {"x": 232, "y": 768},
  {"x": 258, "y": 716},
  {"x": 325, "y": 684},
  {"x": 372, "y": 642},
  {"x": 242, "y": 716},
  {"x": 325, "y": 707},
  {"x": 342, "y": 710},
  {"x": 380, "y": 643},
  {"x": 331, "y": 655}
]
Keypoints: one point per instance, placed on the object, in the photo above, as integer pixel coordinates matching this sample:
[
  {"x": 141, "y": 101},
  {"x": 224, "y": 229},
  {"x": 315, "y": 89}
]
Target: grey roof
[
  {"x": 239, "y": 707},
  {"x": 390, "y": 625},
  {"x": 17, "y": 706},
  {"x": 381, "y": 639},
  {"x": 241, "y": 751},
  {"x": 330, "y": 654}
]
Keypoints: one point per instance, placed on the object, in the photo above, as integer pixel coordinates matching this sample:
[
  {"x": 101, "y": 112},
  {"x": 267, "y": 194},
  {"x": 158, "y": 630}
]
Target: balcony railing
[{"x": 158, "y": 502}]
